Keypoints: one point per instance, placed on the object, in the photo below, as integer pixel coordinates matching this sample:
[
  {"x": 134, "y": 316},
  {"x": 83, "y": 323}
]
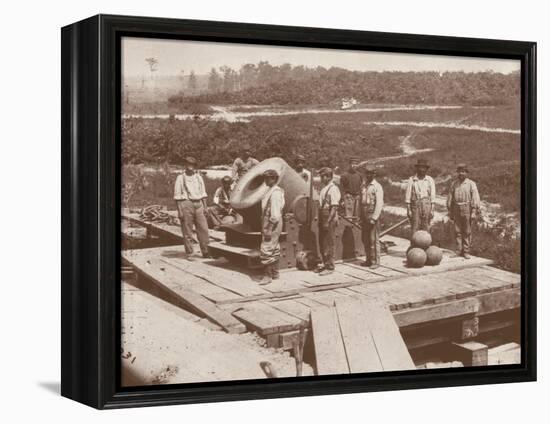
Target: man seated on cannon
[{"x": 221, "y": 211}]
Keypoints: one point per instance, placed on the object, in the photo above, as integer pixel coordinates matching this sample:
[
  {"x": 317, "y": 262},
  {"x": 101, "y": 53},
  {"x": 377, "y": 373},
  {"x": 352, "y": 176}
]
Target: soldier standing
[
  {"x": 329, "y": 200},
  {"x": 463, "y": 203},
  {"x": 190, "y": 197},
  {"x": 273, "y": 204},
  {"x": 243, "y": 164},
  {"x": 351, "y": 183},
  {"x": 300, "y": 168},
  {"x": 372, "y": 201},
  {"x": 420, "y": 198}
]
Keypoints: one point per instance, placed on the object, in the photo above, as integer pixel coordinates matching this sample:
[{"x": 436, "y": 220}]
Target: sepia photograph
[{"x": 297, "y": 211}]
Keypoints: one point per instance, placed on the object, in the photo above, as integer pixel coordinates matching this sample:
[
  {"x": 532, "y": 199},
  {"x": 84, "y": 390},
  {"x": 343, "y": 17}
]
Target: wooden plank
[
  {"x": 265, "y": 320},
  {"x": 292, "y": 307},
  {"x": 242, "y": 284},
  {"x": 390, "y": 346},
  {"x": 190, "y": 298},
  {"x": 359, "y": 345},
  {"x": 330, "y": 355},
  {"x": 436, "y": 312},
  {"x": 362, "y": 273}
]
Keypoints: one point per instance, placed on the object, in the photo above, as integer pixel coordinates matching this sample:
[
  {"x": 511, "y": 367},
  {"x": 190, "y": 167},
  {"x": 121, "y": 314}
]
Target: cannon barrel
[{"x": 250, "y": 189}]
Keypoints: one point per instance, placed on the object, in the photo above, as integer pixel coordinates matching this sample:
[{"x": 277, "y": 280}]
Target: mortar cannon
[{"x": 299, "y": 240}]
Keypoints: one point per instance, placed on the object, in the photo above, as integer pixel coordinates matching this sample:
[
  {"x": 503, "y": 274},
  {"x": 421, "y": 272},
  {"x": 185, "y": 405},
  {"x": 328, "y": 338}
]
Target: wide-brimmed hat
[
  {"x": 270, "y": 173},
  {"x": 462, "y": 167},
  {"x": 191, "y": 160},
  {"x": 422, "y": 163},
  {"x": 301, "y": 158},
  {"x": 354, "y": 159}
]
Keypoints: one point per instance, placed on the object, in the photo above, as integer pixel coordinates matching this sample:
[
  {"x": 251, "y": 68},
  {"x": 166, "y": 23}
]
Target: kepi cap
[
  {"x": 462, "y": 167},
  {"x": 227, "y": 179},
  {"x": 191, "y": 160}
]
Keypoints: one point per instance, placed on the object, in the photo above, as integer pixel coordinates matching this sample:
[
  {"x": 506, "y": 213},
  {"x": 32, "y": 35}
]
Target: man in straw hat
[
  {"x": 273, "y": 204},
  {"x": 329, "y": 200},
  {"x": 351, "y": 182},
  {"x": 420, "y": 197},
  {"x": 190, "y": 197},
  {"x": 372, "y": 201},
  {"x": 463, "y": 203}
]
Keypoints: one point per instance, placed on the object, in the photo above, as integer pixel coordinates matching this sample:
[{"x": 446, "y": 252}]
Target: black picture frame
[{"x": 91, "y": 210}]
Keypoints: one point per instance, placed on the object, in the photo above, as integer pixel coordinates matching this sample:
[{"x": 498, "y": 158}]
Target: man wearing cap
[
  {"x": 329, "y": 201},
  {"x": 420, "y": 197},
  {"x": 301, "y": 170},
  {"x": 372, "y": 201},
  {"x": 351, "y": 182},
  {"x": 463, "y": 203},
  {"x": 190, "y": 197},
  {"x": 222, "y": 207},
  {"x": 243, "y": 164},
  {"x": 273, "y": 203}
]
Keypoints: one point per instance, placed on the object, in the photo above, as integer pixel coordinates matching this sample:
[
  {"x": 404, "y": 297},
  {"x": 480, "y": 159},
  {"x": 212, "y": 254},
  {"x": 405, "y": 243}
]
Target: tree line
[{"x": 264, "y": 83}]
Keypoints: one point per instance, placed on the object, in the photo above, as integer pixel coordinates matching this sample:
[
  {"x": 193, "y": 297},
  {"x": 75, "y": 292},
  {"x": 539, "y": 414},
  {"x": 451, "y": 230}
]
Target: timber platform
[{"x": 454, "y": 303}]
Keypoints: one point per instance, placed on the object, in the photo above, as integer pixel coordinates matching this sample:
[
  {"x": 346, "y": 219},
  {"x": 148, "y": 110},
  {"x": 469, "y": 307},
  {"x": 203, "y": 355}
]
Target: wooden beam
[
  {"x": 471, "y": 354},
  {"x": 436, "y": 312}
]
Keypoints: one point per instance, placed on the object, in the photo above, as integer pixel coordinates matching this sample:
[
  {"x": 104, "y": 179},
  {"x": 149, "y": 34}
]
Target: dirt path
[
  {"x": 164, "y": 344},
  {"x": 225, "y": 113}
]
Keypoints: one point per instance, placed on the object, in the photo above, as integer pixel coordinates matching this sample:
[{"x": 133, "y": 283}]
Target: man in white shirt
[
  {"x": 273, "y": 204},
  {"x": 221, "y": 211},
  {"x": 372, "y": 201},
  {"x": 301, "y": 170},
  {"x": 329, "y": 201},
  {"x": 420, "y": 198},
  {"x": 243, "y": 164},
  {"x": 190, "y": 197}
]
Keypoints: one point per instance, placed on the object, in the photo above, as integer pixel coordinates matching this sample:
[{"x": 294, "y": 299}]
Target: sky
[{"x": 176, "y": 55}]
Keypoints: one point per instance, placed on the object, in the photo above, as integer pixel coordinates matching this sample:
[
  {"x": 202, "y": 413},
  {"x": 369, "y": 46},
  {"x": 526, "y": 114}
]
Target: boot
[
  {"x": 275, "y": 270},
  {"x": 266, "y": 279}
]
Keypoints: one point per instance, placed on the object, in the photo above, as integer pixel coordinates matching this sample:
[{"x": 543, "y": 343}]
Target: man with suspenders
[
  {"x": 329, "y": 201},
  {"x": 273, "y": 204}
]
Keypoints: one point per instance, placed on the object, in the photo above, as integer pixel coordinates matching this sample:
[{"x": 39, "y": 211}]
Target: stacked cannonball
[{"x": 422, "y": 252}]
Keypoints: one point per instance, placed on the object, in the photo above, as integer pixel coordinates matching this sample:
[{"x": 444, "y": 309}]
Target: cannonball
[
  {"x": 421, "y": 239},
  {"x": 433, "y": 255},
  {"x": 416, "y": 258}
]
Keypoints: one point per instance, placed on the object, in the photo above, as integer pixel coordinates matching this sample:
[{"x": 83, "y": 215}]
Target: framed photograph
[{"x": 254, "y": 211}]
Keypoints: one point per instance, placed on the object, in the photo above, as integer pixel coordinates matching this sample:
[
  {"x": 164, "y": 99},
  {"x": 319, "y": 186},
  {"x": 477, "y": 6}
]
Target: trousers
[
  {"x": 351, "y": 205},
  {"x": 270, "y": 248},
  {"x": 326, "y": 238},
  {"x": 421, "y": 211},
  {"x": 371, "y": 241},
  {"x": 191, "y": 212},
  {"x": 461, "y": 215}
]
